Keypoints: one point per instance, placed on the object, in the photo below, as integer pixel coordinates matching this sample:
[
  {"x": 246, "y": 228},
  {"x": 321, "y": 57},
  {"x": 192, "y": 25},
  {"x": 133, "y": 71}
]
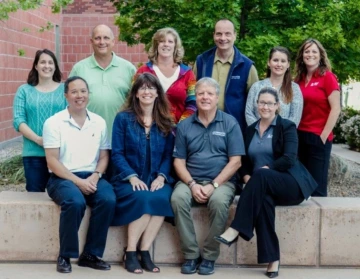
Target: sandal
[
  {"x": 131, "y": 262},
  {"x": 146, "y": 262}
]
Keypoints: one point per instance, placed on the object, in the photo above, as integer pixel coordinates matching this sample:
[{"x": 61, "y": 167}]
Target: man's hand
[
  {"x": 86, "y": 186},
  {"x": 198, "y": 194},
  {"x": 137, "y": 184},
  {"x": 207, "y": 190}
]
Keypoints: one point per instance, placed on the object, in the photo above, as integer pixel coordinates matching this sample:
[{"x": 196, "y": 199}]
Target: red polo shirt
[{"x": 316, "y": 104}]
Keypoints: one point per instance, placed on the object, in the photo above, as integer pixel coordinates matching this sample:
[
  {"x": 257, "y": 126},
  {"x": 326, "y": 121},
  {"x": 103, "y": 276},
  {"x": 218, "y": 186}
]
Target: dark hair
[
  {"x": 33, "y": 77},
  {"x": 161, "y": 110},
  {"x": 269, "y": 90},
  {"x": 70, "y": 80},
  {"x": 300, "y": 67},
  {"x": 286, "y": 88}
]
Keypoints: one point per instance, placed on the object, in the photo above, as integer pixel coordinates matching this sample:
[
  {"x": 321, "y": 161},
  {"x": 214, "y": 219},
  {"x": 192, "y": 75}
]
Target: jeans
[{"x": 36, "y": 173}]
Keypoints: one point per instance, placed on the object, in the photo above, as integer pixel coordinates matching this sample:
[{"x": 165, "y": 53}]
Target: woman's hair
[
  {"x": 33, "y": 77},
  {"x": 161, "y": 110},
  {"x": 300, "y": 67},
  {"x": 286, "y": 88},
  {"x": 271, "y": 91},
  {"x": 71, "y": 79},
  {"x": 159, "y": 36}
]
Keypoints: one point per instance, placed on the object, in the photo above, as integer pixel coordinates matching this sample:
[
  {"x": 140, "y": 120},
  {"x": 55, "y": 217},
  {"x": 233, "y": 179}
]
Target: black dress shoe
[
  {"x": 273, "y": 274},
  {"x": 88, "y": 260},
  {"x": 224, "y": 241},
  {"x": 63, "y": 265}
]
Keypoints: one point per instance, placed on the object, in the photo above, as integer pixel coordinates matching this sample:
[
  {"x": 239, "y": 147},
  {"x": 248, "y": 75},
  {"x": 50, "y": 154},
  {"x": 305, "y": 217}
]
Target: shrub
[
  {"x": 345, "y": 115},
  {"x": 351, "y": 131},
  {"x": 12, "y": 171}
]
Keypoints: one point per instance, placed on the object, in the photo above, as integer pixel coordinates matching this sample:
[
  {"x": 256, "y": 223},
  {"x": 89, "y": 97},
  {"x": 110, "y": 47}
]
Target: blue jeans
[
  {"x": 36, "y": 173},
  {"x": 73, "y": 205}
]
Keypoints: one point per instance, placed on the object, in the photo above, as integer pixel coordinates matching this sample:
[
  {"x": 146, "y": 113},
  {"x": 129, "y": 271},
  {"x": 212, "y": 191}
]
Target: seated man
[
  {"x": 207, "y": 152},
  {"x": 76, "y": 149}
]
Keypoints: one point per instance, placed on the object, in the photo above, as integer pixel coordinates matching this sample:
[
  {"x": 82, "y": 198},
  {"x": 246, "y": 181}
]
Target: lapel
[{"x": 276, "y": 133}]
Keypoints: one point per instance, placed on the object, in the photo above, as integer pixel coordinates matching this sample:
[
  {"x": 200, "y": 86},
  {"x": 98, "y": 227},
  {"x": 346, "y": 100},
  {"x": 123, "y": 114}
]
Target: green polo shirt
[{"x": 109, "y": 87}]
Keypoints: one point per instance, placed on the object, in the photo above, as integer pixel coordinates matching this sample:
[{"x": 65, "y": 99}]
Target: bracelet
[
  {"x": 192, "y": 184},
  {"x": 190, "y": 181}
]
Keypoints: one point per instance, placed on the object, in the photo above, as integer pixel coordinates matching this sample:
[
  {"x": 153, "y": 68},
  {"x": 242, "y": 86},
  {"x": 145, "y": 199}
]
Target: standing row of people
[{"x": 143, "y": 138}]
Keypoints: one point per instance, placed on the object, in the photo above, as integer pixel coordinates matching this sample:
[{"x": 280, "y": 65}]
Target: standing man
[
  {"x": 207, "y": 152},
  {"x": 230, "y": 68},
  {"x": 109, "y": 76}
]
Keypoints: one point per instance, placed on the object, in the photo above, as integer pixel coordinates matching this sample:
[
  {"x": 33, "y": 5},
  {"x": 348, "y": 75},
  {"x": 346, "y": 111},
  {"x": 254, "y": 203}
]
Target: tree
[{"x": 260, "y": 25}]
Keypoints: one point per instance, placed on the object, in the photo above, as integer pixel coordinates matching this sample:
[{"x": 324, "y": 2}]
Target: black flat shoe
[
  {"x": 131, "y": 262},
  {"x": 146, "y": 262},
  {"x": 88, "y": 260},
  {"x": 273, "y": 274},
  {"x": 224, "y": 241},
  {"x": 63, "y": 265}
]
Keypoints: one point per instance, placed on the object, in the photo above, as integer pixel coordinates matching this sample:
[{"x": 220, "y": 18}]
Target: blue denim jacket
[{"x": 128, "y": 153}]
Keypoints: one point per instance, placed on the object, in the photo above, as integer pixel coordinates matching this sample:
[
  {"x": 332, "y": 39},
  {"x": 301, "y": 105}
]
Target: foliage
[
  {"x": 351, "y": 131},
  {"x": 260, "y": 25},
  {"x": 345, "y": 115},
  {"x": 12, "y": 171}
]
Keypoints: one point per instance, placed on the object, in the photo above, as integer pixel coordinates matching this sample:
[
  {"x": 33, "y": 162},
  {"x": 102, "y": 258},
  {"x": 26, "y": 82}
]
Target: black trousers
[
  {"x": 315, "y": 156},
  {"x": 256, "y": 209}
]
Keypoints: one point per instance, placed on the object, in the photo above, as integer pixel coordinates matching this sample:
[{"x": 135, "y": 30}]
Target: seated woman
[
  {"x": 142, "y": 145},
  {"x": 278, "y": 76},
  {"x": 273, "y": 176}
]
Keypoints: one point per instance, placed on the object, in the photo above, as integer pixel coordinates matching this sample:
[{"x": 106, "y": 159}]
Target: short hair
[
  {"x": 324, "y": 63},
  {"x": 268, "y": 90},
  {"x": 208, "y": 81},
  {"x": 93, "y": 30},
  {"x": 70, "y": 80},
  {"x": 158, "y": 37},
  {"x": 33, "y": 77},
  {"x": 225, "y": 19},
  {"x": 161, "y": 110}
]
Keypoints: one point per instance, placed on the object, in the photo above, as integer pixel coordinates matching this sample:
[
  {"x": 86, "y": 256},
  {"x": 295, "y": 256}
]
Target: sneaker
[
  {"x": 63, "y": 265},
  {"x": 190, "y": 266},
  {"x": 206, "y": 267}
]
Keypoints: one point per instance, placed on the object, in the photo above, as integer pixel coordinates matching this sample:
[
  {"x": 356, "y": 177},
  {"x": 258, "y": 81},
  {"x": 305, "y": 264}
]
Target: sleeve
[
  {"x": 104, "y": 141},
  {"x": 19, "y": 109},
  {"x": 141, "y": 70},
  {"x": 253, "y": 77},
  {"x": 195, "y": 70},
  {"x": 180, "y": 144},
  {"x": 331, "y": 83},
  {"x": 250, "y": 108},
  {"x": 119, "y": 161},
  {"x": 235, "y": 141},
  {"x": 296, "y": 106},
  {"x": 51, "y": 134},
  {"x": 166, "y": 162},
  {"x": 190, "y": 102},
  {"x": 290, "y": 147}
]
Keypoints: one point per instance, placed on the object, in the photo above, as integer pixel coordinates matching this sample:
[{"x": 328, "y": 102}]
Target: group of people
[{"x": 176, "y": 143}]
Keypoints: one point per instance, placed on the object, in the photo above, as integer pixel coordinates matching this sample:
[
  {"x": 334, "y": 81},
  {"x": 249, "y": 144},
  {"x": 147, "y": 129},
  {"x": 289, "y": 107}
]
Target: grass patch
[{"x": 12, "y": 171}]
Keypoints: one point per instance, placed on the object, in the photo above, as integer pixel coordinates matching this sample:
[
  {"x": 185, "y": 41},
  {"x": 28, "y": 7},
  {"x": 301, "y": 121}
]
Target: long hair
[
  {"x": 286, "y": 88},
  {"x": 161, "y": 110},
  {"x": 159, "y": 36},
  {"x": 33, "y": 77},
  {"x": 300, "y": 67}
]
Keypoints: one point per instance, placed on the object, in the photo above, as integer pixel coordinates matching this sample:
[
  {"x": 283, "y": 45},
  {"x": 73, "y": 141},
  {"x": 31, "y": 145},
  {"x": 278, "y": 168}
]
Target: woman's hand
[
  {"x": 246, "y": 178},
  {"x": 137, "y": 184},
  {"x": 39, "y": 141},
  {"x": 157, "y": 184},
  {"x": 323, "y": 138}
]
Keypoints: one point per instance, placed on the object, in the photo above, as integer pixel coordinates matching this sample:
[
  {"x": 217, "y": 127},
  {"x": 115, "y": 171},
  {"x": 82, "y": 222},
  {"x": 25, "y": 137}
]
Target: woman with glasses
[
  {"x": 278, "y": 76},
  {"x": 41, "y": 97},
  {"x": 321, "y": 93},
  {"x": 142, "y": 145},
  {"x": 273, "y": 176},
  {"x": 178, "y": 80}
]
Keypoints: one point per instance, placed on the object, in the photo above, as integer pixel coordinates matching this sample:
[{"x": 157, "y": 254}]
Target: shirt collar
[
  {"x": 218, "y": 117},
  {"x": 273, "y": 123},
  {"x": 66, "y": 116},
  {"x": 230, "y": 59},
  {"x": 113, "y": 63}
]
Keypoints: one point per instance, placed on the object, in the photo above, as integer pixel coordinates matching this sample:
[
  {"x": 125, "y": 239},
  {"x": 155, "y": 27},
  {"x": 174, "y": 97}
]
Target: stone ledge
[{"x": 30, "y": 226}]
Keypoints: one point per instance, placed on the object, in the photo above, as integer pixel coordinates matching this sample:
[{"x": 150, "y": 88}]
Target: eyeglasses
[
  {"x": 263, "y": 104},
  {"x": 150, "y": 89}
]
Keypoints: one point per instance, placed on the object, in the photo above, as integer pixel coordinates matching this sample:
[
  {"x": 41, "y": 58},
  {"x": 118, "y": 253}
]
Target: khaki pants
[{"x": 218, "y": 206}]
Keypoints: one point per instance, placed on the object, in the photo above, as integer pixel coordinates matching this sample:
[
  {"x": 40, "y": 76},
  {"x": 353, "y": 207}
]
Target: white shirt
[
  {"x": 166, "y": 82},
  {"x": 79, "y": 147}
]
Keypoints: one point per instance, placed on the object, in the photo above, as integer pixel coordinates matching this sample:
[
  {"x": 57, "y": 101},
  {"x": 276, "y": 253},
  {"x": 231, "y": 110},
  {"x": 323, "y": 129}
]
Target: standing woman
[
  {"x": 278, "y": 76},
  {"x": 177, "y": 79},
  {"x": 273, "y": 177},
  {"x": 34, "y": 102},
  {"x": 320, "y": 89},
  {"x": 142, "y": 145}
]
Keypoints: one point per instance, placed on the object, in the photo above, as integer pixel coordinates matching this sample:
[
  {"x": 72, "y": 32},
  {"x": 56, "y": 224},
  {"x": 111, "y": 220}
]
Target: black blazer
[{"x": 285, "y": 148}]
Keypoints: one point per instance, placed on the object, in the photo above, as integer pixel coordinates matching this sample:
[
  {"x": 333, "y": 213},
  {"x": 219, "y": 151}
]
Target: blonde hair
[{"x": 160, "y": 36}]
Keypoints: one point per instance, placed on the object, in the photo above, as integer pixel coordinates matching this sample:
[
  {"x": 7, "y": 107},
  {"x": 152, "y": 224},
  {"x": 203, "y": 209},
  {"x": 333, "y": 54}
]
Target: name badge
[
  {"x": 235, "y": 77},
  {"x": 220, "y": 134}
]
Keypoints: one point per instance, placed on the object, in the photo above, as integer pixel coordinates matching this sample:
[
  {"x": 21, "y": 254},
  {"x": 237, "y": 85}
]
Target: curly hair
[
  {"x": 158, "y": 37},
  {"x": 300, "y": 67},
  {"x": 161, "y": 110}
]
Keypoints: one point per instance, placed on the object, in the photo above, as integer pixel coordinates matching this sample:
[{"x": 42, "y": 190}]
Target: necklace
[{"x": 147, "y": 135}]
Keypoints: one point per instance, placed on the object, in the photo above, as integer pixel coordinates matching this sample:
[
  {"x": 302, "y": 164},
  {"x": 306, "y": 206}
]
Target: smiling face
[
  {"x": 278, "y": 63},
  {"x": 45, "y": 66},
  {"x": 166, "y": 46},
  {"x": 102, "y": 41},
  {"x": 77, "y": 95},
  {"x": 206, "y": 98},
  {"x": 224, "y": 35},
  {"x": 267, "y": 106},
  {"x": 311, "y": 56},
  {"x": 147, "y": 94}
]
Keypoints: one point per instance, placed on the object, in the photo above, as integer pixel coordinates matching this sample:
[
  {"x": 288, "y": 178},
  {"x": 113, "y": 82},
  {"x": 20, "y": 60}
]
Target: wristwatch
[
  {"x": 99, "y": 173},
  {"x": 215, "y": 184}
]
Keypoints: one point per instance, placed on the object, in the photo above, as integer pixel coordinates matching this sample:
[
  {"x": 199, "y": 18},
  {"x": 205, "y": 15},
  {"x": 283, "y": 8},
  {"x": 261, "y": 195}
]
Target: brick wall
[{"x": 21, "y": 31}]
